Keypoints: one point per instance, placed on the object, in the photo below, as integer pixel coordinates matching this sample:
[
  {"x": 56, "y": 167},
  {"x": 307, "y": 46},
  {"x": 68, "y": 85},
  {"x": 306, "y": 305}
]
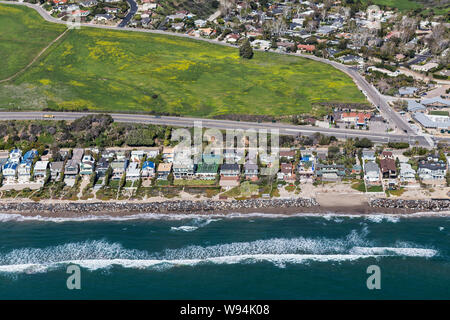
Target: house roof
[
  {"x": 387, "y": 154},
  {"x": 148, "y": 164},
  {"x": 407, "y": 90},
  {"x": 387, "y": 165},
  {"x": 229, "y": 166},
  {"x": 164, "y": 166},
  {"x": 207, "y": 168},
  {"x": 41, "y": 165},
  {"x": 77, "y": 154},
  {"x": 57, "y": 165},
  {"x": 72, "y": 163},
  {"x": 290, "y": 153},
  {"x": 436, "y": 100},
  {"x": 30, "y": 155},
  {"x": 368, "y": 153},
  {"x": 10, "y": 165},
  {"x": 414, "y": 106},
  {"x": 432, "y": 165},
  {"x": 250, "y": 166},
  {"x": 406, "y": 167},
  {"x": 371, "y": 166}
]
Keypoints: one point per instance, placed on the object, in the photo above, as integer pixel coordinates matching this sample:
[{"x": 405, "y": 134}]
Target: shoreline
[{"x": 186, "y": 209}]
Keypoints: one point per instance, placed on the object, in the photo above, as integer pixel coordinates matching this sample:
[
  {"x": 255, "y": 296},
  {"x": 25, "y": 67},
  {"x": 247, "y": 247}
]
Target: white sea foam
[
  {"x": 389, "y": 251},
  {"x": 376, "y": 217},
  {"x": 100, "y": 254},
  {"x": 196, "y": 223},
  {"x": 184, "y": 228}
]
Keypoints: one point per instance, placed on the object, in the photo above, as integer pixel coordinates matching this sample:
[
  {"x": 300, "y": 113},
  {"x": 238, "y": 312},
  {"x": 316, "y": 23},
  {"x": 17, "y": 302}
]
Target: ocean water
[{"x": 226, "y": 257}]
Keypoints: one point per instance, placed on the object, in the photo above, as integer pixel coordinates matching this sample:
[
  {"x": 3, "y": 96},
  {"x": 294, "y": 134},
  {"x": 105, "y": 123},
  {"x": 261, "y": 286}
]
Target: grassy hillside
[
  {"x": 128, "y": 71},
  {"x": 23, "y": 34}
]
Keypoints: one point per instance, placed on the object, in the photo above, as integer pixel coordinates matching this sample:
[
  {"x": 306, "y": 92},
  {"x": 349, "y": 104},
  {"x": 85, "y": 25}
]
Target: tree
[{"x": 246, "y": 51}]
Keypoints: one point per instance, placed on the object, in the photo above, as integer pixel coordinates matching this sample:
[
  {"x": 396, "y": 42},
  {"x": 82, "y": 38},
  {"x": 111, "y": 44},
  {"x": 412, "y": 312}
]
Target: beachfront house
[
  {"x": 118, "y": 169},
  {"x": 330, "y": 172},
  {"x": 148, "y": 169},
  {"x": 101, "y": 167},
  {"x": 407, "y": 173},
  {"x": 56, "y": 169},
  {"x": 9, "y": 171},
  {"x": 87, "y": 165},
  {"x": 15, "y": 156},
  {"x": 306, "y": 168},
  {"x": 24, "y": 169},
  {"x": 168, "y": 154},
  {"x": 432, "y": 170},
  {"x": 286, "y": 172},
  {"x": 372, "y": 174},
  {"x": 71, "y": 170},
  {"x": 40, "y": 170},
  {"x": 229, "y": 175},
  {"x": 206, "y": 171},
  {"x": 388, "y": 168},
  {"x": 164, "y": 170},
  {"x": 251, "y": 171},
  {"x": 133, "y": 171},
  {"x": 77, "y": 154},
  {"x": 230, "y": 170},
  {"x": 183, "y": 167}
]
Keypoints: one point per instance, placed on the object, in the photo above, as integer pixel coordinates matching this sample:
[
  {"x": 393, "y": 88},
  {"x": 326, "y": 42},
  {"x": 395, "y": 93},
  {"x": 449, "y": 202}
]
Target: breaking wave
[
  {"x": 100, "y": 254},
  {"x": 336, "y": 217},
  {"x": 195, "y": 224}
]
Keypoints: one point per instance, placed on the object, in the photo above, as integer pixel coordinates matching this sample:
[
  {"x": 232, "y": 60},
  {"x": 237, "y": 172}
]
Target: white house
[
  {"x": 10, "y": 171},
  {"x": 407, "y": 173},
  {"x": 24, "y": 171},
  {"x": 429, "y": 170},
  {"x": 40, "y": 170},
  {"x": 372, "y": 173},
  {"x": 15, "y": 156},
  {"x": 133, "y": 171},
  {"x": 148, "y": 169}
]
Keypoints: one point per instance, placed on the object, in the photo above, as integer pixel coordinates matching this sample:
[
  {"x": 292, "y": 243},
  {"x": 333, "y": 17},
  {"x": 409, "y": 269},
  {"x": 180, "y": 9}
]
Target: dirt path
[{"x": 35, "y": 58}]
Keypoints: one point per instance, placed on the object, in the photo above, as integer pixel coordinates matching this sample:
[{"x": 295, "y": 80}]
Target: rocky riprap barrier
[
  {"x": 425, "y": 205},
  {"x": 181, "y": 206}
]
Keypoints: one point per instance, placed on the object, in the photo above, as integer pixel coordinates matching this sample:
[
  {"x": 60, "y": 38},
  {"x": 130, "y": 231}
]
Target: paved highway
[{"x": 284, "y": 129}]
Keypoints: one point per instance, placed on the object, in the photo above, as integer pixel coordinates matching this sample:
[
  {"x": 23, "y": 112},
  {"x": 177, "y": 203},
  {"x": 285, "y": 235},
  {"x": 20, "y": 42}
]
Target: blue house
[
  {"x": 29, "y": 156},
  {"x": 148, "y": 169}
]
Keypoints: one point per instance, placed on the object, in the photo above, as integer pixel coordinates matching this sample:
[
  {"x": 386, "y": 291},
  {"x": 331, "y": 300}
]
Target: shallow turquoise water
[{"x": 227, "y": 258}]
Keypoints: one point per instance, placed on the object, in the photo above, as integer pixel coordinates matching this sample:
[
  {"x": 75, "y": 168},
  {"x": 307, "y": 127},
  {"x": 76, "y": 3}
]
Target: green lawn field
[
  {"x": 123, "y": 71},
  {"x": 23, "y": 34}
]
